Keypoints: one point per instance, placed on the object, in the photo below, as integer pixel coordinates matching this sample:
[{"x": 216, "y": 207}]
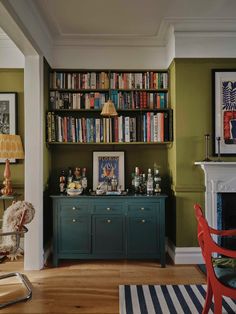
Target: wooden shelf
[
  {"x": 118, "y": 110},
  {"x": 109, "y": 143}
]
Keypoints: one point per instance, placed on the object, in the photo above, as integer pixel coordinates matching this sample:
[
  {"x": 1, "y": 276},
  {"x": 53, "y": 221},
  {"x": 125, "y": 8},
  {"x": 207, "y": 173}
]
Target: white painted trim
[
  {"x": 10, "y": 55},
  {"x": 33, "y": 82},
  {"x": 109, "y": 58},
  {"x": 11, "y": 28},
  {"x": 220, "y": 177},
  {"x": 184, "y": 255},
  {"x": 25, "y": 27}
]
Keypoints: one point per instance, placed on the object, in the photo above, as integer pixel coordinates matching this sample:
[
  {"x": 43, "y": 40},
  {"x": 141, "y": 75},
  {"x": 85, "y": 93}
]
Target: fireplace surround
[{"x": 220, "y": 177}]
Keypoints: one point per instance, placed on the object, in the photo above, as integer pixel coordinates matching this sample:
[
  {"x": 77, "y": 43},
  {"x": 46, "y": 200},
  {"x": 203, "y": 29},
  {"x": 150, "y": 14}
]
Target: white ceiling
[
  {"x": 133, "y": 19},
  {"x": 120, "y": 33}
]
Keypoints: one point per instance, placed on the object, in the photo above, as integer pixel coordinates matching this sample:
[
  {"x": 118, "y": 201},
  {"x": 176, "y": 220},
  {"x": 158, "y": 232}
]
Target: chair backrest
[
  {"x": 208, "y": 246},
  {"x": 14, "y": 219},
  {"x": 200, "y": 230}
]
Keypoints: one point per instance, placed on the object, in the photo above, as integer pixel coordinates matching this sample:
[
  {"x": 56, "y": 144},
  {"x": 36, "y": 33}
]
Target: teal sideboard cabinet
[{"x": 109, "y": 227}]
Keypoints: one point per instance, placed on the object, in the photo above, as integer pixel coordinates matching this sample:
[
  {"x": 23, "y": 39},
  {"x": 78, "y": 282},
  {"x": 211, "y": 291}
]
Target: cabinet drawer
[
  {"x": 74, "y": 207},
  {"x": 143, "y": 208},
  {"x": 108, "y": 207}
]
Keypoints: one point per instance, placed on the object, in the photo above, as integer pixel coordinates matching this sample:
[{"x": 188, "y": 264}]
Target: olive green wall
[
  {"x": 191, "y": 99},
  {"x": 143, "y": 156},
  {"x": 12, "y": 80}
]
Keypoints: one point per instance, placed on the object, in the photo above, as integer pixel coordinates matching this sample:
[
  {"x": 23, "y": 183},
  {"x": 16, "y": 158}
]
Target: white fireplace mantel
[{"x": 220, "y": 177}]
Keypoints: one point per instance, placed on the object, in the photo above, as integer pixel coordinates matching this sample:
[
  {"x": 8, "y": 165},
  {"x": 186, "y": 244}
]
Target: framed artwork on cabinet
[
  {"x": 224, "y": 112},
  {"x": 107, "y": 164},
  {"x": 8, "y": 102}
]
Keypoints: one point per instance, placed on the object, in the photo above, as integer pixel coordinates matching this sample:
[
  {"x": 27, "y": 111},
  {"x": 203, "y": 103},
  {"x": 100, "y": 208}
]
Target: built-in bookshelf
[{"x": 140, "y": 98}]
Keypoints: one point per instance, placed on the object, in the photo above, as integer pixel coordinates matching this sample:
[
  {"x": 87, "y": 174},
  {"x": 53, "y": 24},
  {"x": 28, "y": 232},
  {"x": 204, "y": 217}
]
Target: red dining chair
[{"x": 220, "y": 281}]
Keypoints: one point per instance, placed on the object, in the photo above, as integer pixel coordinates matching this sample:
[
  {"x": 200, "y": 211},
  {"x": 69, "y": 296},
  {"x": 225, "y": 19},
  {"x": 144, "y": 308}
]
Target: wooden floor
[{"x": 89, "y": 286}]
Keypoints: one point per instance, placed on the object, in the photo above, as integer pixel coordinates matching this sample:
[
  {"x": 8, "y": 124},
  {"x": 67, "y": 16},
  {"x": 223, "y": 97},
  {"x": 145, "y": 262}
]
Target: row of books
[
  {"x": 79, "y": 80},
  {"x": 139, "y": 100},
  {"x": 106, "y": 80},
  {"x": 148, "y": 127},
  {"x": 77, "y": 100},
  {"x": 122, "y": 100},
  {"x": 142, "y": 80}
]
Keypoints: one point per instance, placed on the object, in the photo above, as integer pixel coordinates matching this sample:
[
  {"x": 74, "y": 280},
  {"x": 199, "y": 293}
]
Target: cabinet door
[
  {"x": 108, "y": 235},
  {"x": 142, "y": 238},
  {"x": 74, "y": 234}
]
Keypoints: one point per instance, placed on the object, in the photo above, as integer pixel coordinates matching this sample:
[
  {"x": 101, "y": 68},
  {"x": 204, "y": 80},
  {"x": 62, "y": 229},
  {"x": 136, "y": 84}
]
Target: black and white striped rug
[{"x": 173, "y": 299}]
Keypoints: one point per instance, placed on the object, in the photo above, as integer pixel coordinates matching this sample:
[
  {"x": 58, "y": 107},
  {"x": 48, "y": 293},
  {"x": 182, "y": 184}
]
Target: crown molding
[
  {"x": 230, "y": 34},
  {"x": 198, "y": 27},
  {"x": 39, "y": 20},
  {"x": 202, "y": 24},
  {"x": 114, "y": 41},
  {"x": 158, "y": 39}
]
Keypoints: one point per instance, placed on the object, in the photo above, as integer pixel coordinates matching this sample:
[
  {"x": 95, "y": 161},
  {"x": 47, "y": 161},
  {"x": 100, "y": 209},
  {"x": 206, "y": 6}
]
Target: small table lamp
[
  {"x": 10, "y": 147},
  {"x": 108, "y": 109}
]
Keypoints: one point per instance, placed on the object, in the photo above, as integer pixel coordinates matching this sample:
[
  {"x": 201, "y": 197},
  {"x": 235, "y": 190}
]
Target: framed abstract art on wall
[{"x": 224, "y": 112}]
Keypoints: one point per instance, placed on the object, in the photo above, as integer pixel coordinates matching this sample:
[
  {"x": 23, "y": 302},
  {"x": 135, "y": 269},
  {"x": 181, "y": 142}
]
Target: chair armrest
[
  {"x": 223, "y": 232},
  {"x": 20, "y": 232}
]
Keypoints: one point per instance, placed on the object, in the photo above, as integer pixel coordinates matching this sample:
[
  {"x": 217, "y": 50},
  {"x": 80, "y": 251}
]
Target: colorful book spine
[{"x": 127, "y": 129}]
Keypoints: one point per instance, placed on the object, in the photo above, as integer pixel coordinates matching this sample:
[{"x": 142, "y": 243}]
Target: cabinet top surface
[{"x": 131, "y": 196}]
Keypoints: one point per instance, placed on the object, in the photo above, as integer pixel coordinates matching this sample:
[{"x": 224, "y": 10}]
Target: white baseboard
[{"x": 185, "y": 255}]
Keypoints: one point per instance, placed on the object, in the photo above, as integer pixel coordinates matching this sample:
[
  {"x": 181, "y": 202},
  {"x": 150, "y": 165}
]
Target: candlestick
[
  {"x": 218, "y": 151},
  {"x": 207, "y": 137}
]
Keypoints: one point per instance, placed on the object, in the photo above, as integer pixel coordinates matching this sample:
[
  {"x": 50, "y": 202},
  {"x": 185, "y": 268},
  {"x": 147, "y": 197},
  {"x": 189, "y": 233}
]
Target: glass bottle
[
  {"x": 114, "y": 183},
  {"x": 142, "y": 183},
  {"x": 77, "y": 175},
  {"x": 62, "y": 182},
  {"x": 84, "y": 180},
  {"x": 136, "y": 180},
  {"x": 132, "y": 181},
  {"x": 69, "y": 177},
  {"x": 157, "y": 181},
  {"x": 149, "y": 182}
]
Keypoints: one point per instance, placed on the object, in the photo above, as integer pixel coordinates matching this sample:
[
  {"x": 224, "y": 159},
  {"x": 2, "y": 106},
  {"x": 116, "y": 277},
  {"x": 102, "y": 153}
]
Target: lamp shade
[
  {"x": 11, "y": 146},
  {"x": 109, "y": 109}
]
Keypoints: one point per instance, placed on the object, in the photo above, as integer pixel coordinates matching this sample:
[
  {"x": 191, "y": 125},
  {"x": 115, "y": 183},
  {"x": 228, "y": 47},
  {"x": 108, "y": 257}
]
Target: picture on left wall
[
  {"x": 8, "y": 103},
  {"x": 8, "y": 113}
]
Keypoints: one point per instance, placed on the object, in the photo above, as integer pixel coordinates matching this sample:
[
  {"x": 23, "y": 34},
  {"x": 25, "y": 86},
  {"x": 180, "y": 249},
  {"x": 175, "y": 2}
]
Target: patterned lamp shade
[
  {"x": 11, "y": 147},
  {"x": 109, "y": 109}
]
